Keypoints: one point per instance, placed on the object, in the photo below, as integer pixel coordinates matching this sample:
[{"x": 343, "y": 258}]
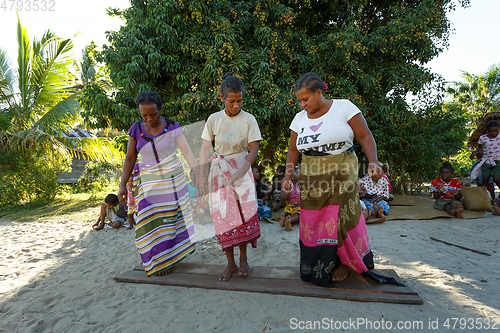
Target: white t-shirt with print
[{"x": 329, "y": 133}]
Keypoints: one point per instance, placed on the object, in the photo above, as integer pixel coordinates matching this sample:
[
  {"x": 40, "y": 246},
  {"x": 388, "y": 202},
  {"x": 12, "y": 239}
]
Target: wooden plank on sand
[{"x": 279, "y": 281}]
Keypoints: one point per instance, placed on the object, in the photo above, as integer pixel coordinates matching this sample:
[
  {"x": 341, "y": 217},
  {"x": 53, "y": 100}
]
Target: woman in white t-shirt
[{"x": 333, "y": 233}]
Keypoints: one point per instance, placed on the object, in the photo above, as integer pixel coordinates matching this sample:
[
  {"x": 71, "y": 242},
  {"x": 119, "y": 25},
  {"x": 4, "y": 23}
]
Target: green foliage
[
  {"x": 120, "y": 142},
  {"x": 97, "y": 175},
  {"x": 477, "y": 94},
  {"x": 37, "y": 104},
  {"x": 462, "y": 163},
  {"x": 30, "y": 177},
  {"x": 415, "y": 143},
  {"x": 371, "y": 52}
]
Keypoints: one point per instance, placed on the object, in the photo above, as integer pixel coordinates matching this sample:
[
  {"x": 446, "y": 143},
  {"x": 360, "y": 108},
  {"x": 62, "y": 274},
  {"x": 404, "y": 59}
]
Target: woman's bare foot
[
  {"x": 226, "y": 273},
  {"x": 288, "y": 223},
  {"x": 460, "y": 212},
  {"x": 374, "y": 211},
  {"x": 282, "y": 220},
  {"x": 244, "y": 267},
  {"x": 454, "y": 207},
  {"x": 340, "y": 273},
  {"x": 98, "y": 226},
  {"x": 496, "y": 209},
  {"x": 275, "y": 206},
  {"x": 165, "y": 272}
]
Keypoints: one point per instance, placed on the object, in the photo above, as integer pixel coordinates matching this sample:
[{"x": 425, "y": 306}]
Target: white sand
[{"x": 56, "y": 276}]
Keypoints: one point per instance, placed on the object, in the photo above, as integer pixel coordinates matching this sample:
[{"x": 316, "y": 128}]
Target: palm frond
[
  {"x": 66, "y": 112},
  {"x": 96, "y": 149},
  {"x": 23, "y": 76},
  {"x": 7, "y": 80},
  {"x": 32, "y": 140},
  {"x": 50, "y": 75}
]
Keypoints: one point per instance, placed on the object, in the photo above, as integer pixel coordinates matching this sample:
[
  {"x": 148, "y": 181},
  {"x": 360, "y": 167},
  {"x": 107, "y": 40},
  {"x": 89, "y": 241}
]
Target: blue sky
[{"x": 472, "y": 45}]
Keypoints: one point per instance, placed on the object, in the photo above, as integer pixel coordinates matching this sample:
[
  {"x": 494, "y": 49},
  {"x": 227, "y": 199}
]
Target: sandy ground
[{"x": 56, "y": 276}]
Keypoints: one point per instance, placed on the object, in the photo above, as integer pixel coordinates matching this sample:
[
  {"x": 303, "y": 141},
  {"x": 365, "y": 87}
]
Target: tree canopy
[{"x": 371, "y": 52}]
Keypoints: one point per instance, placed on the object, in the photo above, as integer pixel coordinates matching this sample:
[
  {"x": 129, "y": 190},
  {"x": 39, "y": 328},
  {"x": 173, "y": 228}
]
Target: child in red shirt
[{"x": 447, "y": 192}]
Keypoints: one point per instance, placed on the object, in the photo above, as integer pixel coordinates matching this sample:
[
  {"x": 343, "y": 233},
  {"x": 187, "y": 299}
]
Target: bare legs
[
  {"x": 231, "y": 264},
  {"x": 454, "y": 209}
]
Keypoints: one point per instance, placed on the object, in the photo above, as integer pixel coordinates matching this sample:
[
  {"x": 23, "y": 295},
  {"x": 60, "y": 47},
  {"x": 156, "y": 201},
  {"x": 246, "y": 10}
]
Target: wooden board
[{"x": 278, "y": 281}]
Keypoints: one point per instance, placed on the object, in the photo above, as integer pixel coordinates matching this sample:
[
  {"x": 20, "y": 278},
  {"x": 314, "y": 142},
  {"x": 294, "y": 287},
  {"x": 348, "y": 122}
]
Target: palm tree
[
  {"x": 38, "y": 98},
  {"x": 478, "y": 94}
]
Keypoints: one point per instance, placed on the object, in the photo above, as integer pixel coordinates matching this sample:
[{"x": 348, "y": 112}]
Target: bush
[
  {"x": 97, "y": 175},
  {"x": 30, "y": 178}
]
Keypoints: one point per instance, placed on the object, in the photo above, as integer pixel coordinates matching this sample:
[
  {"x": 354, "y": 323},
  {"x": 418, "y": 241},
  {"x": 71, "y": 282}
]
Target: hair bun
[{"x": 227, "y": 74}]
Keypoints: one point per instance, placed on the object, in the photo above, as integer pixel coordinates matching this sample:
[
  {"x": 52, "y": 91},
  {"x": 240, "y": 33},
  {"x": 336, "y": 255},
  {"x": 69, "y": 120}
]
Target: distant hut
[
  {"x": 79, "y": 160},
  {"x": 482, "y": 129}
]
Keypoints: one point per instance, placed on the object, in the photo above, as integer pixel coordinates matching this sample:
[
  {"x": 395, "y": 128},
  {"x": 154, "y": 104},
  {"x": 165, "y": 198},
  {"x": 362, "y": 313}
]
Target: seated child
[
  {"x": 276, "y": 188},
  {"x": 262, "y": 193},
  {"x": 291, "y": 213},
  {"x": 367, "y": 212},
  {"x": 447, "y": 192},
  {"x": 114, "y": 211},
  {"x": 131, "y": 204},
  {"x": 384, "y": 175},
  {"x": 375, "y": 195}
]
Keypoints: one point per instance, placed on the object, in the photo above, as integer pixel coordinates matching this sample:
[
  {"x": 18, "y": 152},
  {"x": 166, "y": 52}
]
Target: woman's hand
[
  {"x": 375, "y": 171},
  {"x": 286, "y": 183},
  {"x": 202, "y": 184},
  {"x": 238, "y": 177},
  {"x": 122, "y": 192}
]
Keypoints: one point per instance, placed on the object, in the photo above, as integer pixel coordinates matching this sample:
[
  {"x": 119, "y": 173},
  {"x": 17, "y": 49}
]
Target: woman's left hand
[
  {"x": 237, "y": 178},
  {"x": 375, "y": 171}
]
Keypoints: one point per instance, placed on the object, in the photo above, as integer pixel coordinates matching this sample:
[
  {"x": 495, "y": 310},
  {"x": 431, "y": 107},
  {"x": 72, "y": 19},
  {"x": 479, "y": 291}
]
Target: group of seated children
[
  {"x": 374, "y": 195},
  {"x": 289, "y": 200},
  {"x": 116, "y": 212}
]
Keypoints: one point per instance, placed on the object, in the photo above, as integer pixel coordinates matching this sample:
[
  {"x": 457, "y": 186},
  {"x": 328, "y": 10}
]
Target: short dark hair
[
  {"x": 231, "y": 83},
  {"x": 255, "y": 166},
  {"x": 111, "y": 199},
  {"x": 446, "y": 165},
  {"x": 309, "y": 81},
  {"x": 149, "y": 97},
  {"x": 492, "y": 123}
]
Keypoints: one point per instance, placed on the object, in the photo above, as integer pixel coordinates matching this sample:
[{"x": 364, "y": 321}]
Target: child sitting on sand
[
  {"x": 291, "y": 213},
  {"x": 262, "y": 192},
  {"x": 375, "y": 195},
  {"x": 131, "y": 204},
  {"x": 114, "y": 211},
  {"x": 367, "y": 212},
  {"x": 276, "y": 188},
  {"x": 447, "y": 192}
]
